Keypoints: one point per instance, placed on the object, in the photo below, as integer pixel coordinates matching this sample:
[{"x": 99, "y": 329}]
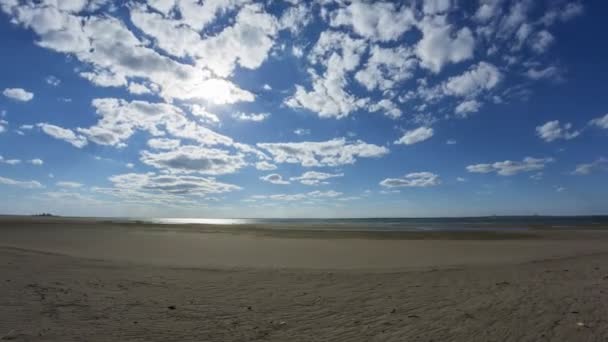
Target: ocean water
[{"x": 490, "y": 223}]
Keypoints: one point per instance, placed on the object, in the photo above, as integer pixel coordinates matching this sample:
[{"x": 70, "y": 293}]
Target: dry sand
[{"x": 66, "y": 282}]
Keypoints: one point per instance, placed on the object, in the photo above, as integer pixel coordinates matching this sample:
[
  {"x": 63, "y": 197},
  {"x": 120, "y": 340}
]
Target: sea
[{"x": 487, "y": 223}]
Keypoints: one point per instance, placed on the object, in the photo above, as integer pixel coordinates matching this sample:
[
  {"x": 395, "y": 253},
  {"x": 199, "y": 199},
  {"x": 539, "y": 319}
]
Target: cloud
[
  {"x": 67, "y": 184},
  {"x": 22, "y": 184},
  {"x": 601, "y": 122},
  {"x": 466, "y": 107},
  {"x": 112, "y": 55},
  {"x": 315, "y": 178},
  {"x": 542, "y": 41},
  {"x": 415, "y": 179},
  {"x": 442, "y": 44},
  {"x": 339, "y": 54},
  {"x": 205, "y": 115},
  {"x": 381, "y": 21},
  {"x": 510, "y": 168},
  {"x": 63, "y": 134},
  {"x": 265, "y": 166},
  {"x": 481, "y": 77},
  {"x": 10, "y": 161},
  {"x": 302, "y": 131},
  {"x": 164, "y": 143},
  {"x": 415, "y": 136},
  {"x": 18, "y": 94},
  {"x": 251, "y": 117},
  {"x": 274, "y": 178},
  {"x": 36, "y": 161},
  {"x": 313, "y": 195},
  {"x": 333, "y": 152},
  {"x": 585, "y": 169},
  {"x": 386, "y": 67},
  {"x": 52, "y": 81},
  {"x": 3, "y": 124},
  {"x": 195, "y": 159},
  {"x": 135, "y": 185},
  {"x": 451, "y": 142},
  {"x": 552, "y": 130},
  {"x": 550, "y": 72},
  {"x": 389, "y": 108}
]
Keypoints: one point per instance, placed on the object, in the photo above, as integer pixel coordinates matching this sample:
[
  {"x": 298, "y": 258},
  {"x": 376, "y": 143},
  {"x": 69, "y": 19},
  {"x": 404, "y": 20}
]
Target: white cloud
[
  {"x": 3, "y": 124},
  {"x": 601, "y": 122},
  {"x": 542, "y": 41},
  {"x": 415, "y": 136},
  {"x": 265, "y": 166},
  {"x": 138, "y": 88},
  {"x": 274, "y": 178},
  {"x": 481, "y": 77},
  {"x": 466, "y": 107},
  {"x": 388, "y": 107},
  {"x": 382, "y": 21},
  {"x": 129, "y": 165},
  {"x": 436, "y": 6},
  {"x": 323, "y": 153},
  {"x": 338, "y": 53},
  {"x": 585, "y": 169},
  {"x": 387, "y": 67},
  {"x": 295, "y": 18},
  {"x": 52, "y": 80},
  {"x": 302, "y": 131},
  {"x": 10, "y": 161},
  {"x": 22, "y": 184},
  {"x": 550, "y": 72},
  {"x": 313, "y": 195},
  {"x": 415, "y": 179},
  {"x": 36, "y": 161},
  {"x": 267, "y": 87},
  {"x": 451, "y": 142},
  {"x": 442, "y": 44},
  {"x": 63, "y": 134},
  {"x": 195, "y": 159},
  {"x": 164, "y": 143},
  {"x": 552, "y": 130},
  {"x": 510, "y": 168},
  {"x": 254, "y": 117},
  {"x": 67, "y": 184},
  {"x": 205, "y": 115},
  {"x": 143, "y": 185},
  {"x": 315, "y": 178},
  {"x": 18, "y": 94}
]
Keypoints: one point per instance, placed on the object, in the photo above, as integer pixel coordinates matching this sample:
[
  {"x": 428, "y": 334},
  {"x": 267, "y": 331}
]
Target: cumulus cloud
[
  {"x": 36, "y": 161},
  {"x": 200, "y": 159},
  {"x": 9, "y": 161},
  {"x": 22, "y": 184},
  {"x": 415, "y": 179},
  {"x": 64, "y": 134},
  {"x": 254, "y": 117},
  {"x": 585, "y": 169},
  {"x": 18, "y": 94},
  {"x": 441, "y": 44},
  {"x": 135, "y": 184},
  {"x": 601, "y": 122},
  {"x": 52, "y": 80},
  {"x": 466, "y": 107},
  {"x": 510, "y": 168},
  {"x": 339, "y": 54},
  {"x": 265, "y": 166},
  {"x": 315, "y": 178},
  {"x": 386, "y": 67},
  {"x": 164, "y": 143},
  {"x": 274, "y": 178},
  {"x": 302, "y": 131},
  {"x": 313, "y": 195},
  {"x": 388, "y": 107},
  {"x": 381, "y": 21},
  {"x": 481, "y": 77},
  {"x": 414, "y": 136},
  {"x": 68, "y": 184},
  {"x": 553, "y": 130},
  {"x": 333, "y": 152}
]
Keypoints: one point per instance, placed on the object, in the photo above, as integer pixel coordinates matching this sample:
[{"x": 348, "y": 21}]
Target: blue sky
[{"x": 183, "y": 108}]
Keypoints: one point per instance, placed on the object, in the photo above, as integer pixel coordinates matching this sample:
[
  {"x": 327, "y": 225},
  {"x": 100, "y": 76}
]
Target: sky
[{"x": 286, "y": 108}]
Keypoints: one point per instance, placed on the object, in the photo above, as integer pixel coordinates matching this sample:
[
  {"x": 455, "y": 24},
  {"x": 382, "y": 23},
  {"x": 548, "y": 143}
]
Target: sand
[{"x": 74, "y": 282}]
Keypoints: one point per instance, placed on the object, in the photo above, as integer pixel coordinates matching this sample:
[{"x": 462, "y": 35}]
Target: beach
[{"x": 75, "y": 280}]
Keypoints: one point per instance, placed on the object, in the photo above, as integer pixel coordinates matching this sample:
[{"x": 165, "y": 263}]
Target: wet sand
[{"x": 67, "y": 281}]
